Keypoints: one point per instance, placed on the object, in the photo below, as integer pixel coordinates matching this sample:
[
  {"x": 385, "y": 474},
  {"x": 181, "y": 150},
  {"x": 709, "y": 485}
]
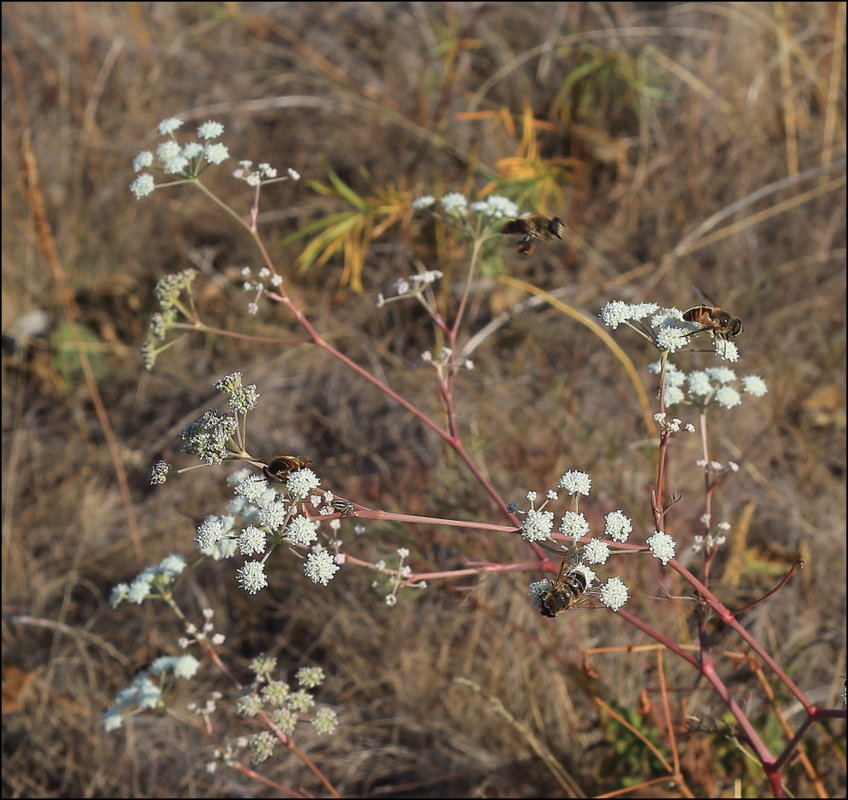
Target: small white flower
[
  {"x": 575, "y": 482},
  {"x": 143, "y": 185},
  {"x": 674, "y": 376},
  {"x": 216, "y": 153},
  {"x": 728, "y": 397},
  {"x": 574, "y": 525},
  {"x": 614, "y": 593},
  {"x": 455, "y": 203},
  {"x": 251, "y": 577},
  {"x": 727, "y": 350},
  {"x": 642, "y": 310},
  {"x": 172, "y": 565},
  {"x": 192, "y": 149},
  {"x": 596, "y": 551},
  {"x": 251, "y": 487},
  {"x": 210, "y": 130},
  {"x": 320, "y": 567},
  {"x": 293, "y": 174},
  {"x": 120, "y": 592},
  {"x": 674, "y": 396},
  {"x": 699, "y": 383},
  {"x": 301, "y": 482},
  {"x": 273, "y": 515},
  {"x": 423, "y": 202},
  {"x": 302, "y": 531},
  {"x": 210, "y": 532},
  {"x": 721, "y": 374},
  {"x": 754, "y": 385},
  {"x": 671, "y": 338},
  {"x": 186, "y": 666},
  {"x": 615, "y": 313},
  {"x": 178, "y": 165},
  {"x": 169, "y": 125},
  {"x": 426, "y": 277},
  {"x": 661, "y": 546},
  {"x": 142, "y": 161},
  {"x": 168, "y": 150},
  {"x": 537, "y": 526},
  {"x": 325, "y": 720},
  {"x": 617, "y": 526},
  {"x": 112, "y": 720},
  {"x": 251, "y": 541},
  {"x": 496, "y": 207},
  {"x": 667, "y": 317}
]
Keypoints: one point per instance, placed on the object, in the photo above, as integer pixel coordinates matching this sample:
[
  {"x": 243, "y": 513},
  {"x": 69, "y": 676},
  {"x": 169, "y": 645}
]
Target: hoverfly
[
  {"x": 536, "y": 226},
  {"x": 568, "y": 590},
  {"x": 712, "y": 318},
  {"x": 281, "y": 466}
]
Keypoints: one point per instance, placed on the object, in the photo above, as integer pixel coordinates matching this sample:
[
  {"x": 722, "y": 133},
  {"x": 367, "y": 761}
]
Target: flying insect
[{"x": 536, "y": 227}]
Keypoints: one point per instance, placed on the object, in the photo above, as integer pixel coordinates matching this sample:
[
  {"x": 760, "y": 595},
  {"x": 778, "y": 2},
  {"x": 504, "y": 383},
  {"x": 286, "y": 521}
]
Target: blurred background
[{"x": 681, "y": 144}]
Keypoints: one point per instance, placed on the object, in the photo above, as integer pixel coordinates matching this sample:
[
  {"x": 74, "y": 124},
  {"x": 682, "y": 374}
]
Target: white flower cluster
[
  {"x": 710, "y": 386},
  {"x": 152, "y": 581},
  {"x": 661, "y": 546},
  {"x": 454, "y": 204},
  {"x": 144, "y": 692},
  {"x": 265, "y": 510},
  {"x": 185, "y": 161},
  {"x": 412, "y": 286},
  {"x": 263, "y": 173},
  {"x": 538, "y": 524}
]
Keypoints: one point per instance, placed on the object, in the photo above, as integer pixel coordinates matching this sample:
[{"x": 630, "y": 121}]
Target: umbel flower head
[{"x": 184, "y": 161}]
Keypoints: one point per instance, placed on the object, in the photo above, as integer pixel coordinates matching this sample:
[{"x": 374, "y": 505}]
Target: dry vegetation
[{"x": 682, "y": 144}]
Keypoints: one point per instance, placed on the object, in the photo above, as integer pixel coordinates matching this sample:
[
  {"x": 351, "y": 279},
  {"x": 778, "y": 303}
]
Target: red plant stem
[
  {"x": 451, "y": 436},
  {"x": 728, "y": 618},
  {"x": 365, "y": 513},
  {"x": 245, "y": 770},
  {"x": 415, "y": 577}
]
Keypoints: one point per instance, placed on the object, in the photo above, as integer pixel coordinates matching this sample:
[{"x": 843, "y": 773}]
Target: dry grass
[{"x": 688, "y": 112}]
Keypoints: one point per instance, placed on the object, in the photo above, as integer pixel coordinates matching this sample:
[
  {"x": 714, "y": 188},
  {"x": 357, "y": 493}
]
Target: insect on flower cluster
[
  {"x": 671, "y": 329},
  {"x": 575, "y": 582}
]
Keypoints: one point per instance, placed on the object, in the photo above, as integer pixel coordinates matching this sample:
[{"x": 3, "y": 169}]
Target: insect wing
[
  {"x": 702, "y": 295},
  {"x": 517, "y": 225}
]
